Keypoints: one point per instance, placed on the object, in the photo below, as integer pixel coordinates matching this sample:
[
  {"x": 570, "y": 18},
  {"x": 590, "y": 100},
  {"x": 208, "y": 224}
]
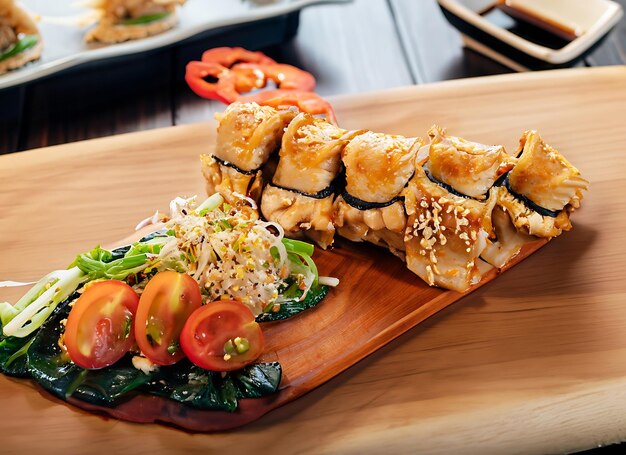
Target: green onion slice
[
  {"x": 144, "y": 19},
  {"x": 23, "y": 44}
]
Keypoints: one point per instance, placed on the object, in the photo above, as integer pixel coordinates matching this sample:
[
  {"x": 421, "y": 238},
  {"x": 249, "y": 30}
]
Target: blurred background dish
[
  {"x": 65, "y": 45},
  {"x": 533, "y": 34}
]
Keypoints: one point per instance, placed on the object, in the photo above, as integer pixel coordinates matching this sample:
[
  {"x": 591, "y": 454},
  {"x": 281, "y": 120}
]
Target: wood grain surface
[{"x": 532, "y": 362}]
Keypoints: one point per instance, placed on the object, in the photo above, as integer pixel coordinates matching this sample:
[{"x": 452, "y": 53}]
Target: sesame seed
[
  {"x": 430, "y": 275},
  {"x": 433, "y": 257}
]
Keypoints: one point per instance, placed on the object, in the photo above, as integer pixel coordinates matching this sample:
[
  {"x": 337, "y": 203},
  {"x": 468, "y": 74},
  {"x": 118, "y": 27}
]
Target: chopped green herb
[
  {"x": 173, "y": 348},
  {"x": 20, "y": 46},
  {"x": 144, "y": 19}
]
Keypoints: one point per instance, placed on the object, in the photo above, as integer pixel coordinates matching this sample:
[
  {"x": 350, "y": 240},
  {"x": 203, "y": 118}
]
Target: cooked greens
[
  {"x": 223, "y": 249},
  {"x": 32, "y": 310},
  {"x": 183, "y": 382},
  {"x": 293, "y": 304}
]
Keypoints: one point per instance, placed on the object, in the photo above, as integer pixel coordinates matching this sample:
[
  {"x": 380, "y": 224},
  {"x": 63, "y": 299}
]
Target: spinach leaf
[
  {"x": 183, "y": 382},
  {"x": 54, "y": 371},
  {"x": 48, "y": 364},
  {"x": 109, "y": 386},
  {"x": 257, "y": 380},
  {"x": 13, "y": 352},
  {"x": 13, "y": 355},
  {"x": 294, "y": 306},
  {"x": 208, "y": 390}
]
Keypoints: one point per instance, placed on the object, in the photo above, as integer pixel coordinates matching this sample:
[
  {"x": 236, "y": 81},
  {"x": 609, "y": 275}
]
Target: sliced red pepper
[
  {"x": 252, "y": 76},
  {"x": 229, "y": 56},
  {"x": 225, "y": 73},
  {"x": 211, "y": 78},
  {"x": 212, "y": 81},
  {"x": 227, "y": 85},
  {"x": 305, "y": 101}
]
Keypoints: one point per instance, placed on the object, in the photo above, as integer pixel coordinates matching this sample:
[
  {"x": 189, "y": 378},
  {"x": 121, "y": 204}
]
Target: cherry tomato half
[
  {"x": 222, "y": 336},
  {"x": 99, "y": 327},
  {"x": 166, "y": 303}
]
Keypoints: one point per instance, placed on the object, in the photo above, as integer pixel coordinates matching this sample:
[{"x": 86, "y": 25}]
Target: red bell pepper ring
[
  {"x": 230, "y": 84},
  {"x": 223, "y": 89},
  {"x": 252, "y": 76},
  {"x": 305, "y": 101},
  {"x": 229, "y": 56},
  {"x": 225, "y": 73},
  {"x": 215, "y": 65}
]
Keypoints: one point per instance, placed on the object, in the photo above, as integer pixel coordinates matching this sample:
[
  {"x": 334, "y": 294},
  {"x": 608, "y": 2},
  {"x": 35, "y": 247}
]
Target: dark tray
[{"x": 118, "y": 77}]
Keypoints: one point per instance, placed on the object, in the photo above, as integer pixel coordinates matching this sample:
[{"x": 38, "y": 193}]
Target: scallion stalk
[
  {"x": 23, "y": 44},
  {"x": 144, "y": 19}
]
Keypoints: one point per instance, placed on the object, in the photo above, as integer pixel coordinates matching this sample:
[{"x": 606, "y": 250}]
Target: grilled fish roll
[
  {"x": 246, "y": 137},
  {"x": 20, "y": 41},
  {"x": 124, "y": 20},
  {"x": 446, "y": 233},
  {"x": 542, "y": 189},
  {"x": 300, "y": 197},
  {"x": 378, "y": 166},
  {"x": 469, "y": 168},
  {"x": 507, "y": 241}
]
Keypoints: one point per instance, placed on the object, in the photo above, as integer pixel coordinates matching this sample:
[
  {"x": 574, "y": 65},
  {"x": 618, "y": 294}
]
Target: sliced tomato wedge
[
  {"x": 222, "y": 336},
  {"x": 167, "y": 301},
  {"x": 99, "y": 328}
]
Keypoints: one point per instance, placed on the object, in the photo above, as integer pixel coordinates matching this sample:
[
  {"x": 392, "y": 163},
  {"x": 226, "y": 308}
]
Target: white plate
[
  {"x": 521, "y": 54},
  {"x": 64, "y": 45}
]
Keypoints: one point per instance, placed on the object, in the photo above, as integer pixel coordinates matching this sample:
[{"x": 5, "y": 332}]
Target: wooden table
[{"x": 413, "y": 44}]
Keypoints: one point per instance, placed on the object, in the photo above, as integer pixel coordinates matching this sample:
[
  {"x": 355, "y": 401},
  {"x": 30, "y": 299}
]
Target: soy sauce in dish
[{"x": 525, "y": 28}]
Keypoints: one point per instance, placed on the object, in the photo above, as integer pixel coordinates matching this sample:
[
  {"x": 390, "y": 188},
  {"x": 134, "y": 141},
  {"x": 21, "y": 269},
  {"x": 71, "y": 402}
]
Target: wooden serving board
[{"x": 532, "y": 362}]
